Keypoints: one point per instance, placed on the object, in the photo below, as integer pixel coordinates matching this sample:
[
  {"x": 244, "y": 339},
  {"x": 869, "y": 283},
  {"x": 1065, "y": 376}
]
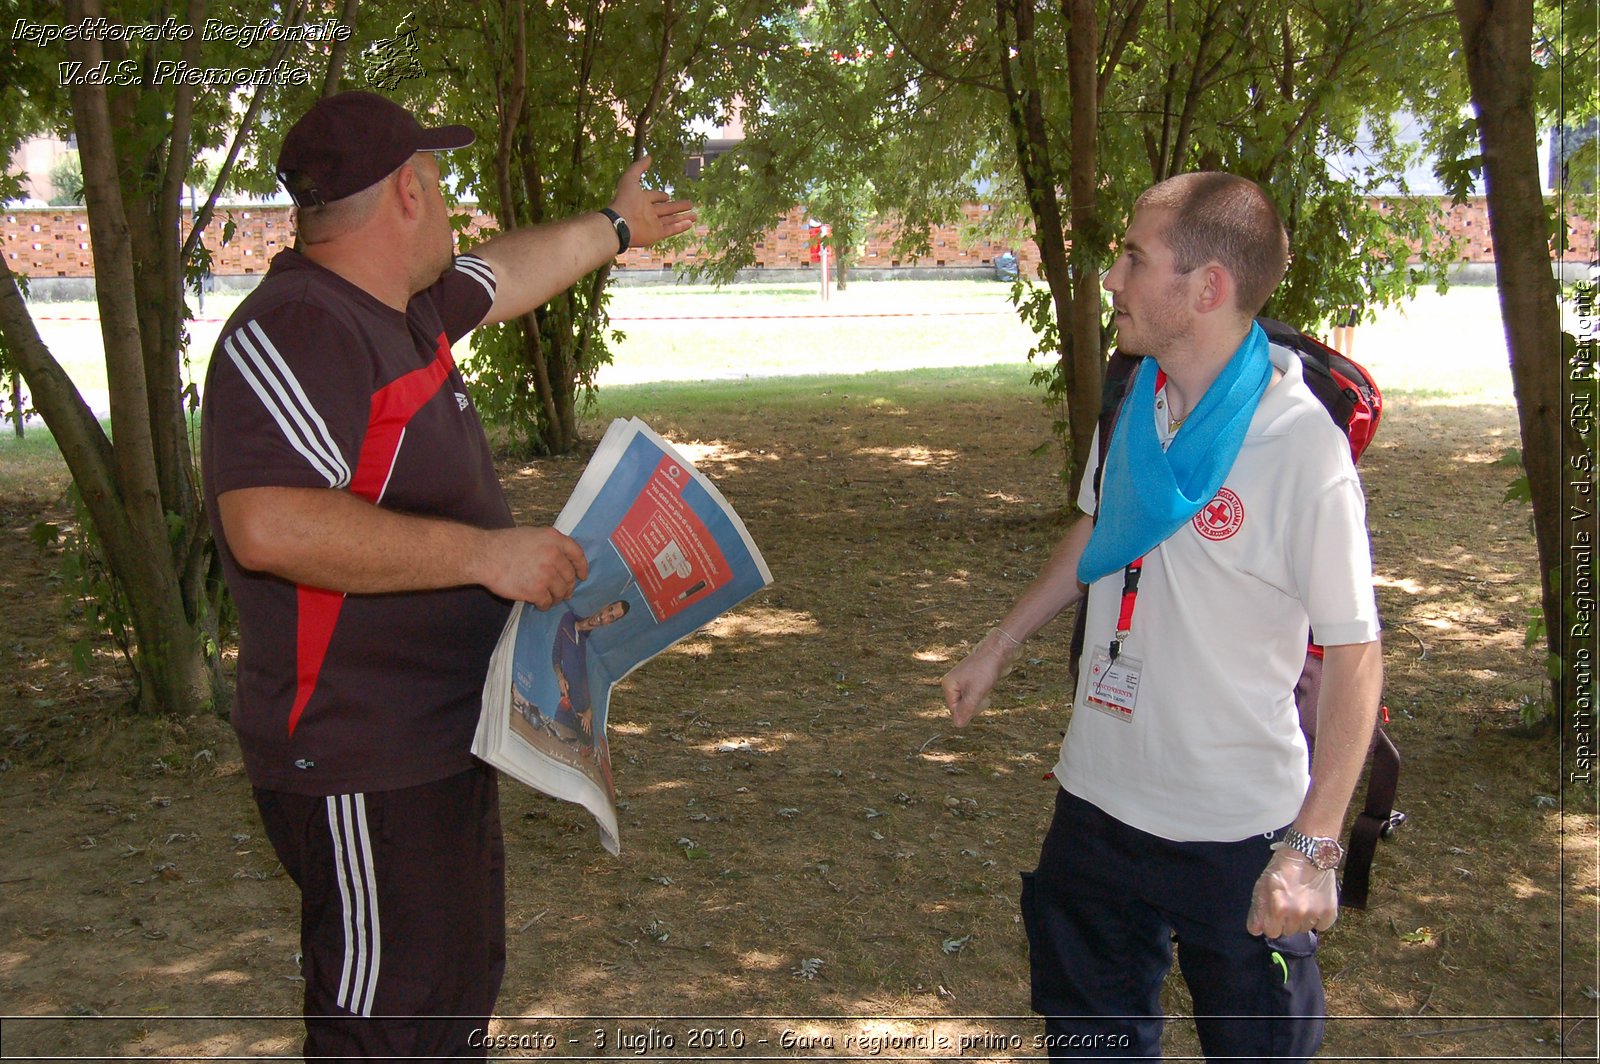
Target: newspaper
[{"x": 666, "y": 555}]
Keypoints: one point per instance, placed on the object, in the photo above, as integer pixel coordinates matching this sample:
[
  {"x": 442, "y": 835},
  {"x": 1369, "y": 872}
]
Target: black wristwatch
[
  {"x": 1323, "y": 852},
  {"x": 624, "y": 238}
]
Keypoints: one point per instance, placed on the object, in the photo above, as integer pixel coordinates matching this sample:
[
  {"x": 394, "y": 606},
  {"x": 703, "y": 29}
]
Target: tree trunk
[
  {"x": 121, "y": 485},
  {"x": 562, "y": 437},
  {"x": 1088, "y": 238},
  {"x": 155, "y": 189},
  {"x": 1031, "y": 138},
  {"x": 1498, "y": 40},
  {"x": 172, "y": 670}
]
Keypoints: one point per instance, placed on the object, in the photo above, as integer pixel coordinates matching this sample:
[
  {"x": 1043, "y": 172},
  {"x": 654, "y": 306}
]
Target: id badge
[{"x": 1114, "y": 685}]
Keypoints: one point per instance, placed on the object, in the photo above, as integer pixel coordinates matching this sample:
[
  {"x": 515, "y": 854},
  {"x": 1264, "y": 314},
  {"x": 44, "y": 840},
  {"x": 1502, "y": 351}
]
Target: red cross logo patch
[{"x": 1221, "y": 517}]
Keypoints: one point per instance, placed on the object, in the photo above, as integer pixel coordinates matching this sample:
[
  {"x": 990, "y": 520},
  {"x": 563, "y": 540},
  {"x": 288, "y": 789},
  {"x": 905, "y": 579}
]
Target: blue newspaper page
[{"x": 667, "y": 554}]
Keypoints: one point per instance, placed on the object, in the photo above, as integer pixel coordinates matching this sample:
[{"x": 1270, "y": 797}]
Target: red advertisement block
[{"x": 673, "y": 556}]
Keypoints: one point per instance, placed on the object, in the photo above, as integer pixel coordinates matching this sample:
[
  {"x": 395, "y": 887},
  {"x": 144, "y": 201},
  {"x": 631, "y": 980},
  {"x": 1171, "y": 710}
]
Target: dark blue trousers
[{"x": 1102, "y": 911}]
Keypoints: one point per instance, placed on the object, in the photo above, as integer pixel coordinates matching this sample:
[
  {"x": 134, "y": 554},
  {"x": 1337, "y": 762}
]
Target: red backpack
[{"x": 1351, "y": 397}]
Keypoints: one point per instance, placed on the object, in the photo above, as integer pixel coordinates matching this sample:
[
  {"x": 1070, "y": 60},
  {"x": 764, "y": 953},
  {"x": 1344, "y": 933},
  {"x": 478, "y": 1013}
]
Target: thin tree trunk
[
  {"x": 1498, "y": 37},
  {"x": 340, "y": 50},
  {"x": 78, "y": 434},
  {"x": 125, "y": 503},
  {"x": 1083, "y": 401},
  {"x": 1031, "y": 137}
]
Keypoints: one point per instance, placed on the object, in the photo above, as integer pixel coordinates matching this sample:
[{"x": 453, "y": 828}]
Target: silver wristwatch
[{"x": 1323, "y": 852}]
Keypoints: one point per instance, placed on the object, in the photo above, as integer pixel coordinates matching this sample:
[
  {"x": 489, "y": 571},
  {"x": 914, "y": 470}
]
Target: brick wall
[
  {"x": 788, "y": 246},
  {"x": 54, "y": 242}
]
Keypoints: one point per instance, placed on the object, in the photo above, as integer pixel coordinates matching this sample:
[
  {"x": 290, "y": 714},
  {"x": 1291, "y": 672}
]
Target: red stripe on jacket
[{"x": 393, "y": 407}]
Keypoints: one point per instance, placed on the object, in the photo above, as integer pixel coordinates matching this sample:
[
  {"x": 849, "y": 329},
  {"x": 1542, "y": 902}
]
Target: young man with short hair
[{"x": 1229, "y": 523}]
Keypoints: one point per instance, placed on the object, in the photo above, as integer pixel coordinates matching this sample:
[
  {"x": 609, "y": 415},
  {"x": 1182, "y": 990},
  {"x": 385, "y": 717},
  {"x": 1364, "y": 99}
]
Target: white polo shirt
[{"x": 1212, "y": 750}]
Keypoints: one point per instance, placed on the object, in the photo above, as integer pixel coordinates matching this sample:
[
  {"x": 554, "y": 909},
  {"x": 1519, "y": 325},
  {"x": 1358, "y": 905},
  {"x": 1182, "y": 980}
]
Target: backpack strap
[
  {"x": 1377, "y": 819},
  {"x": 1113, "y": 393}
]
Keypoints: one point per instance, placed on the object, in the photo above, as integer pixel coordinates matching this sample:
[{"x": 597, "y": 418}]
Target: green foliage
[
  {"x": 1538, "y": 711},
  {"x": 1566, "y": 38},
  {"x": 66, "y": 181},
  {"x": 1037, "y": 311},
  {"x": 1535, "y": 633},
  {"x": 1458, "y": 160},
  {"x": 563, "y": 97},
  {"x": 1300, "y": 97},
  {"x": 1520, "y": 489},
  {"x": 838, "y": 125},
  {"x": 14, "y": 406},
  {"x": 93, "y": 592}
]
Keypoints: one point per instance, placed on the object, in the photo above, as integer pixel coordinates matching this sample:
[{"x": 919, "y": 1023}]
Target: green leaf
[{"x": 1535, "y": 634}]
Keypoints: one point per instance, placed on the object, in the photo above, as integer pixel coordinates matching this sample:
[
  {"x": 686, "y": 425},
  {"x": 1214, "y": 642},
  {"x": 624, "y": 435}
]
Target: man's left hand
[
  {"x": 1293, "y": 895},
  {"x": 651, "y": 214}
]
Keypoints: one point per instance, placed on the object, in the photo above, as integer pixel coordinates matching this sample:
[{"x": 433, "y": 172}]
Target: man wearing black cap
[{"x": 372, "y": 556}]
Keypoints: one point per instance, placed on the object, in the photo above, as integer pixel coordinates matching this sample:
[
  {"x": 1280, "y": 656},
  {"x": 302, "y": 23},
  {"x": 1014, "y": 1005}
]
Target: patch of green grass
[
  {"x": 795, "y": 295},
  {"x": 824, "y": 392},
  {"x": 32, "y": 463},
  {"x": 694, "y": 332},
  {"x": 699, "y": 333},
  {"x": 71, "y": 331},
  {"x": 888, "y": 342}
]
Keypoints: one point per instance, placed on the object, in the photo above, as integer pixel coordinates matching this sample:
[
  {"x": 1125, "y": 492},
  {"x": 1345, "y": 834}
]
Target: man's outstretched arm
[{"x": 534, "y": 264}]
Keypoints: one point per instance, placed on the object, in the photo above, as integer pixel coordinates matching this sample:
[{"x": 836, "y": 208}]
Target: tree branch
[
  {"x": 83, "y": 442},
  {"x": 1117, "y": 44},
  {"x": 641, "y": 124},
  {"x": 202, "y": 217},
  {"x": 340, "y": 50},
  {"x": 944, "y": 74}
]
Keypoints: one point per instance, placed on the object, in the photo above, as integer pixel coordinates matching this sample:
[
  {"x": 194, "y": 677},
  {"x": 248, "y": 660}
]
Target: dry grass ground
[{"x": 804, "y": 836}]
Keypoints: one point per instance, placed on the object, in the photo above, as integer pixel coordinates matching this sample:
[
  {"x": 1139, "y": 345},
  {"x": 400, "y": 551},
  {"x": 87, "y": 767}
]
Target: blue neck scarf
[{"x": 1146, "y": 494}]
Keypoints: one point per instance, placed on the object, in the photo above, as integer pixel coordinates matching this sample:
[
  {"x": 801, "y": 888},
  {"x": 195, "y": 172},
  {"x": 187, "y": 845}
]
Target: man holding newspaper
[
  {"x": 1229, "y": 520},
  {"x": 372, "y": 554}
]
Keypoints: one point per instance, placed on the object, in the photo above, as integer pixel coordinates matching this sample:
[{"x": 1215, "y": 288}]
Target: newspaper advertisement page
[{"x": 667, "y": 554}]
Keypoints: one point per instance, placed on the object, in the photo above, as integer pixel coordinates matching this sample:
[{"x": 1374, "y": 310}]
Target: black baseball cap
[{"x": 353, "y": 140}]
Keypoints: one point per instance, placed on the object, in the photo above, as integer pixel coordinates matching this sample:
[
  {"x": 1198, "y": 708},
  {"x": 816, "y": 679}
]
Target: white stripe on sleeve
[
  {"x": 479, "y": 271},
  {"x": 280, "y": 392}
]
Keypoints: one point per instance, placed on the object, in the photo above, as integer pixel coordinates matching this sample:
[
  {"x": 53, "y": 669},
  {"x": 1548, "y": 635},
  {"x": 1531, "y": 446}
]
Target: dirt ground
[{"x": 814, "y": 862}]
